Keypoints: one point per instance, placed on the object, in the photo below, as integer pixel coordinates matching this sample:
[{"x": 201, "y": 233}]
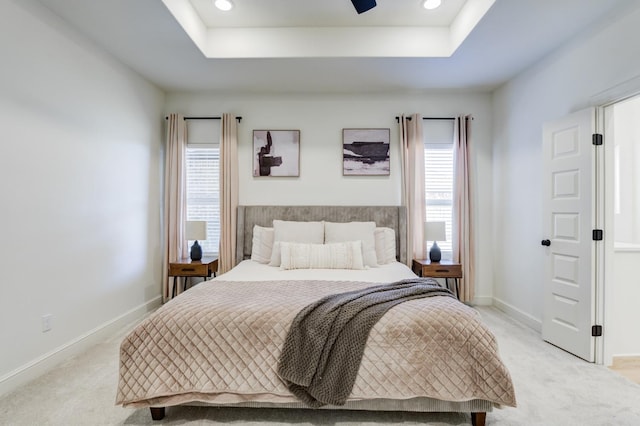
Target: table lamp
[
  {"x": 196, "y": 230},
  {"x": 435, "y": 231}
]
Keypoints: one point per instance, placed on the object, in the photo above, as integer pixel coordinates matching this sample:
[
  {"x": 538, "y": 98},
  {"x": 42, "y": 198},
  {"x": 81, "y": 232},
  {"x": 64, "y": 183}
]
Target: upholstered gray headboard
[{"x": 393, "y": 217}]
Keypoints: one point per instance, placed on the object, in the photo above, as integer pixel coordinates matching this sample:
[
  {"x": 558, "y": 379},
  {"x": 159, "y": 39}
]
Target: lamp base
[
  {"x": 196, "y": 251},
  {"x": 363, "y": 5},
  {"x": 434, "y": 254}
]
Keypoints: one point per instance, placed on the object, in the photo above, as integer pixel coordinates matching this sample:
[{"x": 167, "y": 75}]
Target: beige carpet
[{"x": 552, "y": 387}]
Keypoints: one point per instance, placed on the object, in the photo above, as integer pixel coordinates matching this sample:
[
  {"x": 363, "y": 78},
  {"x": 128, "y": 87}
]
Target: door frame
[
  {"x": 600, "y": 261},
  {"x": 604, "y": 275},
  {"x": 605, "y": 354}
]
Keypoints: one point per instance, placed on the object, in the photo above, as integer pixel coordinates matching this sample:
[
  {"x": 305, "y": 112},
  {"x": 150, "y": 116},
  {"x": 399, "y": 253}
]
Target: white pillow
[
  {"x": 353, "y": 231},
  {"x": 262, "y": 244},
  {"x": 385, "y": 241},
  {"x": 296, "y": 232},
  {"x": 346, "y": 255}
]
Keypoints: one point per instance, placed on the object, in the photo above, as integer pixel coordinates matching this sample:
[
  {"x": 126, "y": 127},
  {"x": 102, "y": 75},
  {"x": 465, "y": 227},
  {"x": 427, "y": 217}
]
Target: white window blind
[
  {"x": 203, "y": 200},
  {"x": 438, "y": 181}
]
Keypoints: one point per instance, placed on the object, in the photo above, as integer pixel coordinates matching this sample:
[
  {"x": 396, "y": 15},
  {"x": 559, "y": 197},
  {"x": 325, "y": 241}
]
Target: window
[
  {"x": 203, "y": 200},
  {"x": 438, "y": 179}
]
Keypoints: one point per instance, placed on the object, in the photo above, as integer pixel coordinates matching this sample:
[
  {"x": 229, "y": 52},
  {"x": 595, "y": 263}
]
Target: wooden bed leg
[
  {"x": 478, "y": 419},
  {"x": 157, "y": 413}
]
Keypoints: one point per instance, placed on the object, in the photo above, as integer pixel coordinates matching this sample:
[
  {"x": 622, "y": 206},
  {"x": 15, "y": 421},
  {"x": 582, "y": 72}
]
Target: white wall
[
  {"x": 623, "y": 338},
  {"x": 599, "y": 65},
  {"x": 80, "y": 189},
  {"x": 626, "y": 131},
  {"x": 622, "y": 290},
  {"x": 320, "y": 119}
]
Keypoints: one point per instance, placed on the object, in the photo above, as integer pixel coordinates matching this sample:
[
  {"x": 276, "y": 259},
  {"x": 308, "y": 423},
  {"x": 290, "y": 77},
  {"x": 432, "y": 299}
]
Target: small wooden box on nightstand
[{"x": 445, "y": 269}]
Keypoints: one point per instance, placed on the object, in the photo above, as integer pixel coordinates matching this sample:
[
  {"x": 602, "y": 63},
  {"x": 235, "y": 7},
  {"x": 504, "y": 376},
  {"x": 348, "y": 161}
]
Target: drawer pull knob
[
  {"x": 442, "y": 270},
  {"x": 188, "y": 269}
]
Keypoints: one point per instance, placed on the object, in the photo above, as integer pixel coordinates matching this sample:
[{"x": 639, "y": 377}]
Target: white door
[{"x": 569, "y": 221}]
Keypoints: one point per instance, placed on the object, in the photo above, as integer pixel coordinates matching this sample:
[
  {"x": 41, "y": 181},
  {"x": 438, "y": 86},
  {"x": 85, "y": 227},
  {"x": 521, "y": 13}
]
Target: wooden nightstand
[
  {"x": 445, "y": 269},
  {"x": 186, "y": 268}
]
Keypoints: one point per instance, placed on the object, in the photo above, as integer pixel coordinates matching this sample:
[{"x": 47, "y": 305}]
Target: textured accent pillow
[
  {"x": 294, "y": 232},
  {"x": 345, "y": 255},
  {"x": 385, "y": 241},
  {"x": 262, "y": 244},
  {"x": 353, "y": 231}
]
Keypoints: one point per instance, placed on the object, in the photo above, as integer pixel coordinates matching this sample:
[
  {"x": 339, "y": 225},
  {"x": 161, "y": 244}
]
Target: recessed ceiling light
[
  {"x": 431, "y": 4},
  {"x": 224, "y": 5}
]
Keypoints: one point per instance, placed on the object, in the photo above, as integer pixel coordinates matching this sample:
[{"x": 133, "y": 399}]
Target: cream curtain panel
[
  {"x": 463, "y": 227},
  {"x": 412, "y": 169},
  {"x": 228, "y": 192},
  {"x": 175, "y": 246}
]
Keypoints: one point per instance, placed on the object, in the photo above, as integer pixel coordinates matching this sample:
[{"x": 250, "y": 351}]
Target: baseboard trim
[
  {"x": 516, "y": 313},
  {"x": 46, "y": 362}
]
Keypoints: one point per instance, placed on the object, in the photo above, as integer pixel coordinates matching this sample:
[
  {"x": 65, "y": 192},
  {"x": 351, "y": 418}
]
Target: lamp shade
[
  {"x": 196, "y": 230},
  {"x": 435, "y": 231}
]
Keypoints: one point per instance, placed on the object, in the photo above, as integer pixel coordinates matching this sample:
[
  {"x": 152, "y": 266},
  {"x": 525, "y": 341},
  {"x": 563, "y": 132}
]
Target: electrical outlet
[{"x": 47, "y": 323}]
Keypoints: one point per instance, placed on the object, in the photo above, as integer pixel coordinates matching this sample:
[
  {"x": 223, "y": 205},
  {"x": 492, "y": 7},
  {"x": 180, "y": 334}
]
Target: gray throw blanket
[{"x": 323, "y": 349}]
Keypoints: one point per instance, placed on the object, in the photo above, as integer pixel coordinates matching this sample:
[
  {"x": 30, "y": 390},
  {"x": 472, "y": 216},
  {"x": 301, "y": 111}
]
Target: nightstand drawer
[
  {"x": 442, "y": 271},
  {"x": 189, "y": 270}
]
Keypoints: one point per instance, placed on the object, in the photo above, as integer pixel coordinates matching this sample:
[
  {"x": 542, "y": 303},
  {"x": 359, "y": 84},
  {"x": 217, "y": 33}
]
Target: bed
[{"x": 218, "y": 343}]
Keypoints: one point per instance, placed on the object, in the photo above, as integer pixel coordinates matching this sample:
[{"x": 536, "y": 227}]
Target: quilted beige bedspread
[{"x": 220, "y": 342}]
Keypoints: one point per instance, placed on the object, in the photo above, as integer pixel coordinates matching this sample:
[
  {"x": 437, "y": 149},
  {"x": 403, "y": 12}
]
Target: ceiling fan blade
[{"x": 363, "y": 5}]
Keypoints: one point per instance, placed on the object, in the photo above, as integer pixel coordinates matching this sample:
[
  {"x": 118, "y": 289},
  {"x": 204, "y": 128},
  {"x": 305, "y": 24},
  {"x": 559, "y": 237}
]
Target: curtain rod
[
  {"x": 215, "y": 117},
  {"x": 435, "y": 118}
]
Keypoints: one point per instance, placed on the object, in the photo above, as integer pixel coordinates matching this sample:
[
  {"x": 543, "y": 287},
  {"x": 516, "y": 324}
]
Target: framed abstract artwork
[
  {"x": 276, "y": 153},
  {"x": 365, "y": 152}
]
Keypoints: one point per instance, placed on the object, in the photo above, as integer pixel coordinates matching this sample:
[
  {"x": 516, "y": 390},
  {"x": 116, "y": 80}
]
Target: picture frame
[
  {"x": 365, "y": 152},
  {"x": 276, "y": 153}
]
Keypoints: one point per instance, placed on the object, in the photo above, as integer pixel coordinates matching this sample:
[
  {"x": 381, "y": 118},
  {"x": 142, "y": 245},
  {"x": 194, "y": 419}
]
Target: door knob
[{"x": 546, "y": 243}]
